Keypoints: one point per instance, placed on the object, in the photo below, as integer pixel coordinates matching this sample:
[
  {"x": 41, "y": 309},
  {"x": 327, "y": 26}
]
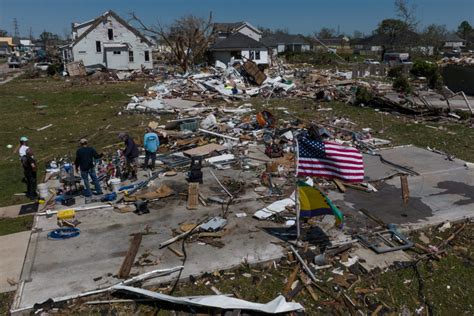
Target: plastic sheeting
[{"x": 278, "y": 305}]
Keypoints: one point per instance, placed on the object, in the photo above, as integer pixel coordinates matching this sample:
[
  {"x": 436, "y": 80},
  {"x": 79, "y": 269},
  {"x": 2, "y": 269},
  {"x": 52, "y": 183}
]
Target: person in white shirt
[{"x": 23, "y": 146}]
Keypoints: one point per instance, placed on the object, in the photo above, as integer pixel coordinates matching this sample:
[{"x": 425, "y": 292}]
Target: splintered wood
[
  {"x": 405, "y": 191},
  {"x": 130, "y": 257},
  {"x": 193, "y": 196}
]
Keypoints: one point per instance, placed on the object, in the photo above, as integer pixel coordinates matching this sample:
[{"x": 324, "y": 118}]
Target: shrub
[
  {"x": 52, "y": 69},
  {"x": 428, "y": 70},
  {"x": 401, "y": 84},
  {"x": 363, "y": 96},
  {"x": 395, "y": 72}
]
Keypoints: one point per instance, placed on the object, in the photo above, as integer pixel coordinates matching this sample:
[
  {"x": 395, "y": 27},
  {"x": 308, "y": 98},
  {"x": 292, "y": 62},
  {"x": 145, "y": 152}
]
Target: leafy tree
[
  {"x": 325, "y": 32},
  {"x": 187, "y": 38},
  {"x": 3, "y": 33},
  {"x": 464, "y": 30},
  {"x": 393, "y": 29},
  {"x": 434, "y": 35}
]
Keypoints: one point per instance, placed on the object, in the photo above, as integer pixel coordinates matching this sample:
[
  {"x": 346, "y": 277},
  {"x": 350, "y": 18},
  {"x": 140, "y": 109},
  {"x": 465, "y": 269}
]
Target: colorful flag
[
  {"x": 329, "y": 160},
  {"x": 314, "y": 202}
]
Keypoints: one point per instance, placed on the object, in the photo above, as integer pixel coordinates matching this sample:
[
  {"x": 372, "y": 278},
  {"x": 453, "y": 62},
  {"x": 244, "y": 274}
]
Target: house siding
[
  {"x": 106, "y": 56},
  {"x": 263, "y": 55}
]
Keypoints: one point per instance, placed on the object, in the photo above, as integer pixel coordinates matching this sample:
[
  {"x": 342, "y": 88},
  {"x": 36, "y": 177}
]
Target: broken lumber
[
  {"x": 193, "y": 196},
  {"x": 176, "y": 251},
  {"x": 340, "y": 185},
  {"x": 291, "y": 280},
  {"x": 130, "y": 256},
  {"x": 405, "y": 191}
]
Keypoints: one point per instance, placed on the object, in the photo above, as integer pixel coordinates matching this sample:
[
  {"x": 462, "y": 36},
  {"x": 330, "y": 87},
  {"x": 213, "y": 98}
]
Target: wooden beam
[
  {"x": 193, "y": 196},
  {"x": 130, "y": 257},
  {"x": 405, "y": 190}
]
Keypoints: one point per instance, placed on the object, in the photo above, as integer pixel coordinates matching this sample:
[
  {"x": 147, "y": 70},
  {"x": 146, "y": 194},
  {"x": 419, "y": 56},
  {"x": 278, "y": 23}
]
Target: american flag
[{"x": 329, "y": 160}]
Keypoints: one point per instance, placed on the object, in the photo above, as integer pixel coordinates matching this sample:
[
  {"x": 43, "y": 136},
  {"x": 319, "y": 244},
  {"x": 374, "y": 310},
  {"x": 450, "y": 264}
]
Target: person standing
[
  {"x": 29, "y": 169},
  {"x": 23, "y": 146},
  {"x": 85, "y": 157},
  {"x": 151, "y": 142},
  {"x": 131, "y": 155}
]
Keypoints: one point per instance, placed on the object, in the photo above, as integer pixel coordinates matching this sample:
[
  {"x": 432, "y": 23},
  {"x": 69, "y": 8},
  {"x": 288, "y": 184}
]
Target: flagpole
[{"x": 297, "y": 194}]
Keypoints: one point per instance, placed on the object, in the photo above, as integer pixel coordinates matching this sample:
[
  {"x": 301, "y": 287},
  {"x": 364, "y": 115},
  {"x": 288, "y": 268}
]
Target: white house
[
  {"x": 239, "y": 40},
  {"x": 110, "y": 41},
  {"x": 455, "y": 42},
  {"x": 239, "y": 46}
]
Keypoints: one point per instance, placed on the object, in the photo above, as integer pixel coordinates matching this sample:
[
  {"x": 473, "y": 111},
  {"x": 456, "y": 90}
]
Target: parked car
[
  {"x": 14, "y": 62},
  {"x": 371, "y": 62},
  {"x": 42, "y": 66}
]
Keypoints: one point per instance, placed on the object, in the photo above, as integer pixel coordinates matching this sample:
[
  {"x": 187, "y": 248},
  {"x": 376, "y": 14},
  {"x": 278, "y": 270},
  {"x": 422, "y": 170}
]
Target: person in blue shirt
[{"x": 151, "y": 142}]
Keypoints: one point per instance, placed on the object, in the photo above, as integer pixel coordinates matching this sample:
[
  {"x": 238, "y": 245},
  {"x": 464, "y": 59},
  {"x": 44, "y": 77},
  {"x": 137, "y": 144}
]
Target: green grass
[
  {"x": 75, "y": 111},
  {"x": 15, "y": 225},
  {"x": 454, "y": 138}
]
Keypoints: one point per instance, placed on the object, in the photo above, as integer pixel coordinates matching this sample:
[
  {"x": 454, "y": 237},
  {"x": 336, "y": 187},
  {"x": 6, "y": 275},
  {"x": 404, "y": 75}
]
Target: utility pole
[
  {"x": 31, "y": 33},
  {"x": 16, "y": 30}
]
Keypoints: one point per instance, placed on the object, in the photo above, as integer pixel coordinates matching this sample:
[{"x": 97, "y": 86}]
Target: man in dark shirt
[
  {"x": 85, "y": 157},
  {"x": 131, "y": 155},
  {"x": 29, "y": 168}
]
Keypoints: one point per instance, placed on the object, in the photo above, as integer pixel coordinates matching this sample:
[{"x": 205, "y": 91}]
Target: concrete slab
[
  {"x": 444, "y": 190},
  {"x": 13, "y": 249},
  {"x": 421, "y": 160},
  {"x": 10, "y": 211},
  {"x": 58, "y": 268}
]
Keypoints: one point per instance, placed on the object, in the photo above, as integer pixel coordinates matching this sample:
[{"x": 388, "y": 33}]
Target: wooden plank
[
  {"x": 291, "y": 279},
  {"x": 130, "y": 257},
  {"x": 405, "y": 190},
  {"x": 193, "y": 196},
  {"x": 176, "y": 251},
  {"x": 340, "y": 185}
]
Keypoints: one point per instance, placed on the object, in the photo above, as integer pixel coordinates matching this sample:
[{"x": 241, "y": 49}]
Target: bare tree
[
  {"x": 434, "y": 35},
  {"x": 406, "y": 12},
  {"x": 187, "y": 38}
]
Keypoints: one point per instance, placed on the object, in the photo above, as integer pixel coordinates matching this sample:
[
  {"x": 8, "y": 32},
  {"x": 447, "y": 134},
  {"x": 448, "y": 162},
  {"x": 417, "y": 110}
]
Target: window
[
  {"x": 111, "y": 34},
  {"x": 251, "y": 55},
  {"x": 147, "y": 55},
  {"x": 130, "y": 56},
  {"x": 257, "y": 55},
  {"x": 98, "y": 47},
  {"x": 117, "y": 52}
]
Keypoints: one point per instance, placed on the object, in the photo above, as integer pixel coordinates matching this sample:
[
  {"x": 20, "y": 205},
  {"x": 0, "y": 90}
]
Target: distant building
[
  {"x": 281, "y": 43},
  {"x": 453, "y": 41},
  {"x": 6, "y": 46},
  {"x": 109, "y": 41},
  {"x": 336, "y": 44}
]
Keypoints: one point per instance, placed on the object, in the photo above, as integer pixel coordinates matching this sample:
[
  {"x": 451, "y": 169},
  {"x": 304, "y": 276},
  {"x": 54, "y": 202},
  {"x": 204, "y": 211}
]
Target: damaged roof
[
  {"x": 236, "y": 41},
  {"x": 103, "y": 18}
]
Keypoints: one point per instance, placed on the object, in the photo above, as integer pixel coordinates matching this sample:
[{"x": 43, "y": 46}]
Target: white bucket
[
  {"x": 43, "y": 190},
  {"x": 115, "y": 183}
]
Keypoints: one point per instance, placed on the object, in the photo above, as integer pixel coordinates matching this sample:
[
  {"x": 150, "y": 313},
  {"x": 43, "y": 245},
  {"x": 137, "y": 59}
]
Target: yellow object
[
  {"x": 66, "y": 214},
  {"x": 41, "y": 201}
]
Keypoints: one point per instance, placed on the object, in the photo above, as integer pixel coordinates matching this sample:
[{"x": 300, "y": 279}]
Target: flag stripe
[
  {"x": 348, "y": 164},
  {"x": 332, "y": 168},
  {"x": 329, "y": 174}
]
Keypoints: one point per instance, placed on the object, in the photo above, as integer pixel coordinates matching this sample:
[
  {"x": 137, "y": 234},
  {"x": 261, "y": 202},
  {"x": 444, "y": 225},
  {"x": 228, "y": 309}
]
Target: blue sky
[{"x": 298, "y": 16}]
